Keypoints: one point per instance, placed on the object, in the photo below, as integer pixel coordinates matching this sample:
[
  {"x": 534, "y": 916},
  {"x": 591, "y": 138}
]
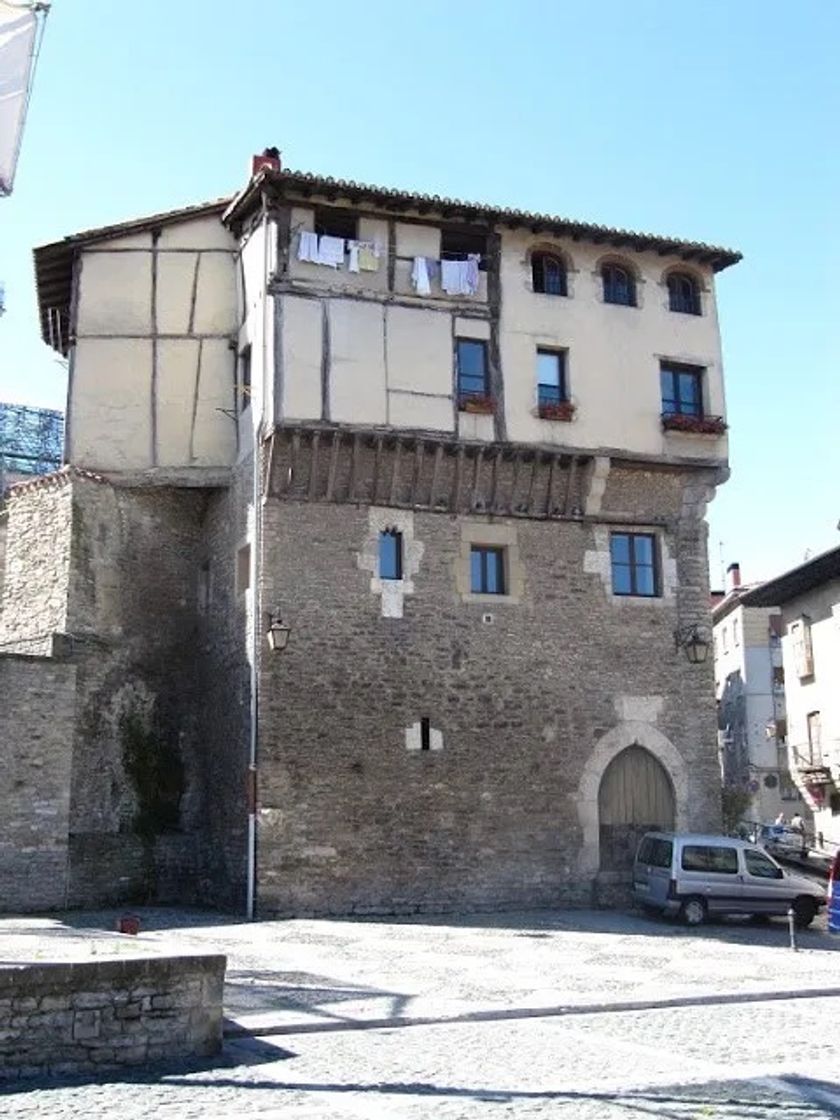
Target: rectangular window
[
  {"x": 656, "y": 852},
  {"x": 334, "y": 222},
  {"x": 458, "y": 245},
  {"x": 803, "y": 653},
  {"x": 814, "y": 738},
  {"x": 487, "y": 570},
  {"x": 760, "y": 866},
  {"x": 697, "y": 857},
  {"x": 390, "y": 554},
  {"x": 244, "y": 377},
  {"x": 682, "y": 389},
  {"x": 633, "y": 559},
  {"x": 551, "y": 377},
  {"x": 243, "y": 569},
  {"x": 472, "y": 367}
]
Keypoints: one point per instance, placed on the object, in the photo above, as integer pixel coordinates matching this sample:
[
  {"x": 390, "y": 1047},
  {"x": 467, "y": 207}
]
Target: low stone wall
[{"x": 72, "y": 1017}]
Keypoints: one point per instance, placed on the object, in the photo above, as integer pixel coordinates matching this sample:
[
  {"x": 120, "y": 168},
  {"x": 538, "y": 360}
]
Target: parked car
[
  {"x": 834, "y": 895},
  {"x": 782, "y": 840},
  {"x": 697, "y": 876}
]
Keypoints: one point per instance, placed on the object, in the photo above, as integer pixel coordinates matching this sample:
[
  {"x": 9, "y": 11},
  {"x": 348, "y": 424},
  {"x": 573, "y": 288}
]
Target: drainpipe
[{"x": 256, "y": 627}]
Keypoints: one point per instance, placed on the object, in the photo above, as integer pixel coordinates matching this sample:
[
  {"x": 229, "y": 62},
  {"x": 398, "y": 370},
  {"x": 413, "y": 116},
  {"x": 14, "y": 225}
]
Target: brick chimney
[
  {"x": 270, "y": 160},
  {"x": 733, "y": 576}
]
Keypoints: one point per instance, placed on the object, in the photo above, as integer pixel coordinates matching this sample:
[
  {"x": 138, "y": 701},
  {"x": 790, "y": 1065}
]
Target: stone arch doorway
[{"x": 636, "y": 795}]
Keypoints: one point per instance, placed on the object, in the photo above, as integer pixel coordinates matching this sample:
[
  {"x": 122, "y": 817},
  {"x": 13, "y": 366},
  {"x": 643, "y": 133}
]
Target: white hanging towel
[
  {"x": 353, "y": 249},
  {"x": 452, "y": 277},
  {"x": 308, "y": 246},
  {"x": 331, "y": 251},
  {"x": 420, "y": 277},
  {"x": 471, "y": 274}
]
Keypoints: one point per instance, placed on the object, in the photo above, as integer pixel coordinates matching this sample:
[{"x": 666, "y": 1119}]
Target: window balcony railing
[
  {"x": 480, "y": 403},
  {"x": 556, "y": 410},
  {"x": 699, "y": 425}
]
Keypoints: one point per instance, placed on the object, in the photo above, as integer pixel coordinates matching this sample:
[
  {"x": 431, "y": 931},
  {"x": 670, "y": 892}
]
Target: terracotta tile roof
[
  {"x": 302, "y": 182},
  {"x": 54, "y": 480}
]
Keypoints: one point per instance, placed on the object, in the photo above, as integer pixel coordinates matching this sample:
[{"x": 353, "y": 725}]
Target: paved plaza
[{"x": 575, "y": 1014}]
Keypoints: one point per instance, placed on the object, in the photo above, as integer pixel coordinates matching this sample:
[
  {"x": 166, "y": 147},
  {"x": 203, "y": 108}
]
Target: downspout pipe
[{"x": 256, "y": 598}]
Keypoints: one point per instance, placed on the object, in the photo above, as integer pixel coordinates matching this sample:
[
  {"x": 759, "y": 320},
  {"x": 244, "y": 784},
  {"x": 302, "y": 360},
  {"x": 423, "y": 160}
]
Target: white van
[{"x": 697, "y": 876}]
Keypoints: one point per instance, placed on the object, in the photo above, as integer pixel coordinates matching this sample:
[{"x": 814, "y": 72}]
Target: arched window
[
  {"x": 683, "y": 294},
  {"x": 619, "y": 285},
  {"x": 549, "y": 274}
]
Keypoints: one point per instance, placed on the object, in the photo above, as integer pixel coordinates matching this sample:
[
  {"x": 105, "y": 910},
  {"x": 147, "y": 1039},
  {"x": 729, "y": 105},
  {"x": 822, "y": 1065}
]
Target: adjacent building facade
[
  {"x": 461, "y": 457},
  {"x": 809, "y": 600},
  {"x": 750, "y": 688}
]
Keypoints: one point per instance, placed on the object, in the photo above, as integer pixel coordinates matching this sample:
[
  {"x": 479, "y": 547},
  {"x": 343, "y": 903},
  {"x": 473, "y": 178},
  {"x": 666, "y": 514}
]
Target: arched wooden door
[{"x": 635, "y": 796}]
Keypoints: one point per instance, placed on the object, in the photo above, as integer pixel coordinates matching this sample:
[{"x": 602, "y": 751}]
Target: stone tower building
[{"x": 464, "y": 455}]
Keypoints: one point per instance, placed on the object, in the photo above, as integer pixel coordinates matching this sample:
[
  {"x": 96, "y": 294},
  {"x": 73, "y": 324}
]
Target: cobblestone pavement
[{"x": 503, "y": 1016}]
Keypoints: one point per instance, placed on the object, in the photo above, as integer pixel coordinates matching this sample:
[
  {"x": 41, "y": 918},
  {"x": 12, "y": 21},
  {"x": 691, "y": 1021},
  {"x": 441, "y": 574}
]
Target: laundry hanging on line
[
  {"x": 420, "y": 277},
  {"x": 364, "y": 256},
  {"x": 331, "y": 251},
  {"x": 460, "y": 278},
  {"x": 308, "y": 247}
]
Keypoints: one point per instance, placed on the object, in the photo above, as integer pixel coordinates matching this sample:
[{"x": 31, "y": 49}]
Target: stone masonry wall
[
  {"x": 68, "y": 1018},
  {"x": 225, "y": 709},
  {"x": 520, "y": 692},
  {"x": 37, "y": 699},
  {"x": 133, "y": 618},
  {"x": 37, "y": 565}
]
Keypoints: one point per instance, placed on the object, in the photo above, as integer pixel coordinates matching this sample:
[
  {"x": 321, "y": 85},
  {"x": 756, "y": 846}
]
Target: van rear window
[
  {"x": 655, "y": 851},
  {"x": 699, "y": 857}
]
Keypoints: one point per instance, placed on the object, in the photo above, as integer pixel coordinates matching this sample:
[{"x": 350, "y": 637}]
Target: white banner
[{"x": 18, "y": 27}]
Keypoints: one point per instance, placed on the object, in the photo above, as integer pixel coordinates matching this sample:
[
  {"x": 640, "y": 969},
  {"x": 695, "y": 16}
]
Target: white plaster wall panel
[
  {"x": 472, "y": 328},
  {"x": 419, "y": 351},
  {"x": 130, "y": 241},
  {"x": 110, "y": 413},
  {"x": 175, "y": 278},
  {"x": 301, "y": 358},
  {"x": 214, "y": 433},
  {"x": 216, "y": 303},
  {"x": 357, "y": 390},
  {"x": 115, "y": 294},
  {"x": 475, "y": 426},
  {"x": 614, "y": 353},
  {"x": 199, "y": 233},
  {"x": 255, "y": 268},
  {"x": 408, "y": 410},
  {"x": 176, "y": 394},
  {"x": 417, "y": 240}
]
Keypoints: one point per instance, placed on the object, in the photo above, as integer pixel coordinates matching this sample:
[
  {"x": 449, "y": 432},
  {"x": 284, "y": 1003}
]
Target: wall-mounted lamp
[
  {"x": 278, "y": 633},
  {"x": 692, "y": 641}
]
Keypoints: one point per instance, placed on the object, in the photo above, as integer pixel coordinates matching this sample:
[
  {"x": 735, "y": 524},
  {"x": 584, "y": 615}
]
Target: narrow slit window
[
  {"x": 390, "y": 554},
  {"x": 425, "y": 734},
  {"x": 244, "y": 377}
]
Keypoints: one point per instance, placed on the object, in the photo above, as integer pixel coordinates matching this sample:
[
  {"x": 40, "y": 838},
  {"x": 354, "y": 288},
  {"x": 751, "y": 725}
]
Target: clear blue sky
[{"x": 714, "y": 121}]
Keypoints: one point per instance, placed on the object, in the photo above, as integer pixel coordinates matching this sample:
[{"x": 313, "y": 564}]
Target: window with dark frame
[
  {"x": 471, "y": 356},
  {"x": 390, "y": 554},
  {"x": 683, "y": 293},
  {"x": 548, "y": 273},
  {"x": 425, "y": 733},
  {"x": 619, "y": 285},
  {"x": 551, "y": 377},
  {"x": 244, "y": 377},
  {"x": 681, "y": 388},
  {"x": 333, "y": 222},
  {"x": 487, "y": 570},
  {"x": 458, "y": 245},
  {"x": 634, "y": 564}
]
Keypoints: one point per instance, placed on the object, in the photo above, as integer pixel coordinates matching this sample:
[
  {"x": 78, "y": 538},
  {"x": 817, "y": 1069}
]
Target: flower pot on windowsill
[
  {"x": 698, "y": 425},
  {"x": 470, "y": 402},
  {"x": 556, "y": 410}
]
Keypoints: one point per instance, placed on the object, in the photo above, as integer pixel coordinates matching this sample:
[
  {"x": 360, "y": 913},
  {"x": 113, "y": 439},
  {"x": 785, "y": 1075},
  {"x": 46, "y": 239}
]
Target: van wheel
[
  {"x": 804, "y": 912},
  {"x": 693, "y": 911}
]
